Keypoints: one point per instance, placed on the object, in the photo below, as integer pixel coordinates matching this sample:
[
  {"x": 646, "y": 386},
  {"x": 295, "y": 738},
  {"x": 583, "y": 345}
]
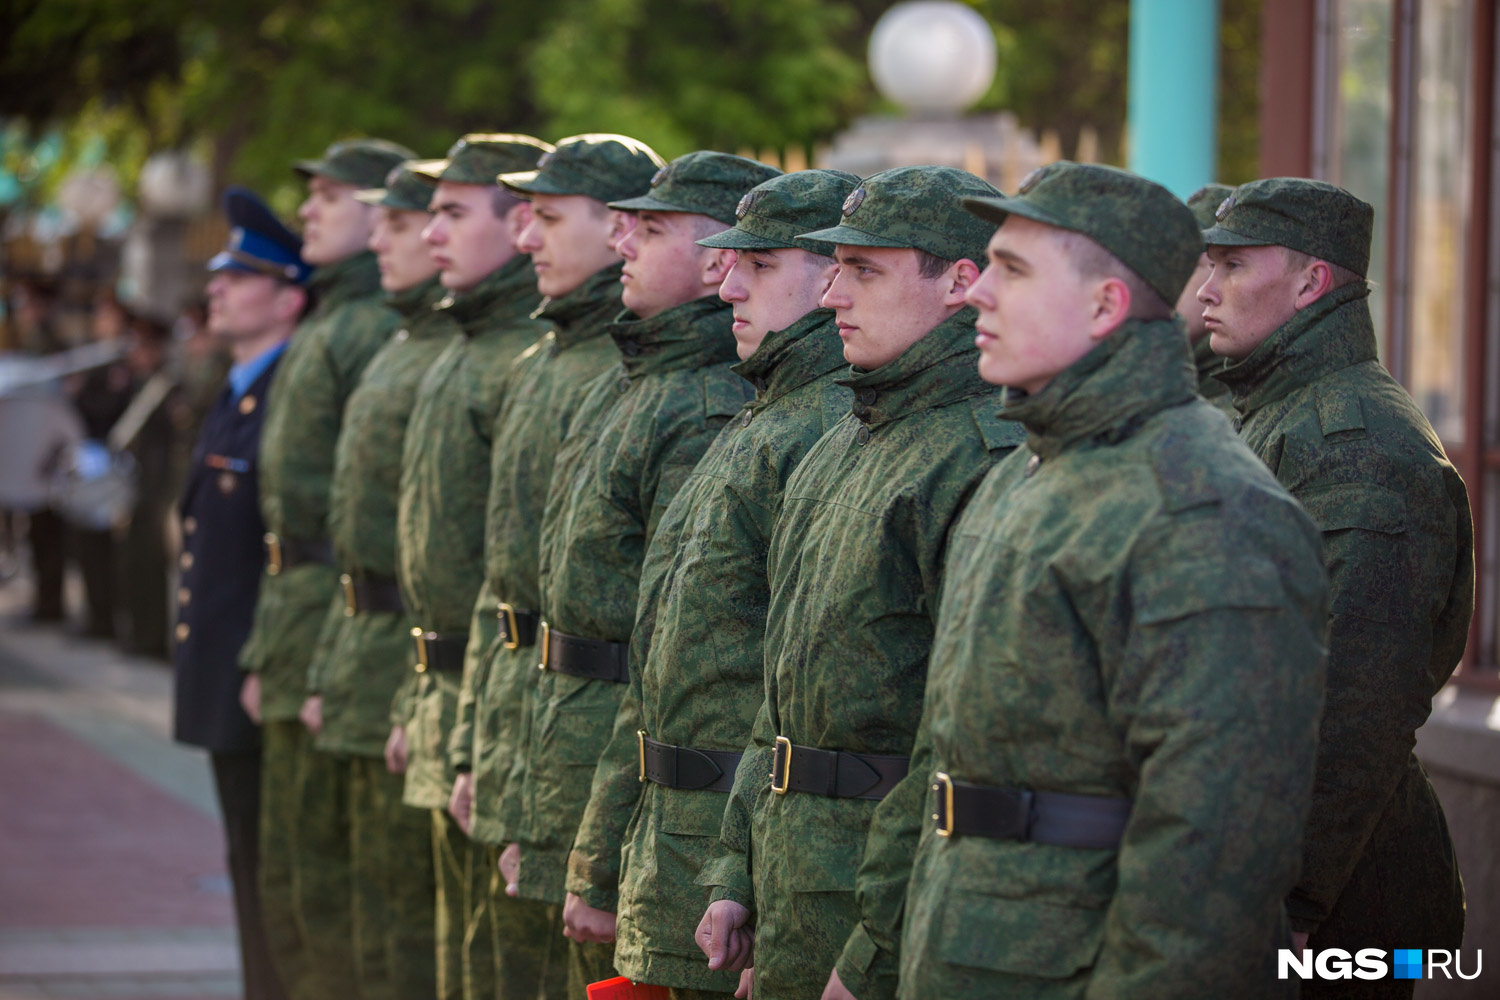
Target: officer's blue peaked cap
[{"x": 258, "y": 242}]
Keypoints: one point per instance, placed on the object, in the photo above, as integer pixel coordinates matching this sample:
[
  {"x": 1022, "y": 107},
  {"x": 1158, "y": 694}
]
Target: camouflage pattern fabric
[
  {"x": 1133, "y": 609},
  {"x": 280, "y": 748},
  {"x": 855, "y": 565},
  {"x": 1312, "y": 217},
  {"x": 1208, "y": 364},
  {"x": 365, "y": 163},
  {"x": 1348, "y": 442},
  {"x": 697, "y": 666},
  {"x": 634, "y": 439}
]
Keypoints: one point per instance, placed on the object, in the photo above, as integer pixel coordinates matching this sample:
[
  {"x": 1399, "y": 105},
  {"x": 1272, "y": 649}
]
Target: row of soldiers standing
[{"x": 856, "y": 669}]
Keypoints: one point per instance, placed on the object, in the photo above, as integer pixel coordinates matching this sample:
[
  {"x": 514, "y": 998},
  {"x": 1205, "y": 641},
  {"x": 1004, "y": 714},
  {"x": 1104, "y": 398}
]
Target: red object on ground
[{"x": 621, "y": 988}]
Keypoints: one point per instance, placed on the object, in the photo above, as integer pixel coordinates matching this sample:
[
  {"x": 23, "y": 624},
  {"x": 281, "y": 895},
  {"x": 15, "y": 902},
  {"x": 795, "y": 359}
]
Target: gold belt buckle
[
  {"x": 782, "y": 744},
  {"x": 943, "y": 785},
  {"x": 544, "y": 631},
  {"x": 351, "y": 606},
  {"x": 512, "y": 629},
  {"x": 273, "y": 554},
  {"x": 421, "y": 637},
  {"x": 640, "y": 745}
]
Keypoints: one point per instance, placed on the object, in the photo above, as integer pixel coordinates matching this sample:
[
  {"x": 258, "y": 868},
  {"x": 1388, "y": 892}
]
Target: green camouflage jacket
[
  {"x": 362, "y": 660},
  {"x": 1134, "y": 609},
  {"x": 636, "y": 436},
  {"x": 1348, "y": 442},
  {"x": 856, "y": 567},
  {"x": 542, "y": 392},
  {"x": 318, "y": 373},
  {"x": 1209, "y": 364},
  {"x": 697, "y": 667},
  {"x": 440, "y": 515}
]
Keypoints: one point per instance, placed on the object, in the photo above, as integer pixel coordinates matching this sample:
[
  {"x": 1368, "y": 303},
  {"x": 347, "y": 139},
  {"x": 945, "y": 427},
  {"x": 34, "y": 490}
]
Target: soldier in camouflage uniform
[
  {"x": 1204, "y": 202},
  {"x": 855, "y": 565},
  {"x": 572, "y": 253},
  {"x": 307, "y": 907},
  {"x": 697, "y": 667},
  {"x": 1121, "y": 708},
  {"x": 440, "y": 515},
  {"x": 638, "y": 432},
  {"x": 363, "y": 653},
  {"x": 1286, "y": 304}
]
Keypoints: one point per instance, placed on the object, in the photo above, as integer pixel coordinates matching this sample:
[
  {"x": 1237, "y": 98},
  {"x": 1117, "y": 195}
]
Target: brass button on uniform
[
  {"x": 186, "y": 562},
  {"x": 184, "y": 595},
  {"x": 189, "y": 524},
  {"x": 182, "y": 631},
  {"x": 247, "y": 405}
]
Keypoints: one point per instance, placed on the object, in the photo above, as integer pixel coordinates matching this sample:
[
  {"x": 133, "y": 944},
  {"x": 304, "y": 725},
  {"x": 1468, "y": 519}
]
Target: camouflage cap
[
  {"x": 773, "y": 215},
  {"x": 1206, "y": 200},
  {"x": 598, "y": 165},
  {"x": 1144, "y": 225},
  {"x": 704, "y": 183},
  {"x": 481, "y": 157},
  {"x": 1313, "y": 217},
  {"x": 404, "y": 191},
  {"x": 916, "y": 208},
  {"x": 361, "y": 162}
]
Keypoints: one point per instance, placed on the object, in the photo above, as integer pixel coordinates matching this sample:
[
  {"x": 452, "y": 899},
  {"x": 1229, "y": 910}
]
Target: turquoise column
[{"x": 1173, "y": 92}]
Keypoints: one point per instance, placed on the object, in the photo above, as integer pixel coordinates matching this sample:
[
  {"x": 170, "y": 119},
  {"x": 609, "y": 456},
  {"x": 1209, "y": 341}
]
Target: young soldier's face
[
  {"x": 243, "y": 305},
  {"x": 1249, "y": 294},
  {"x": 882, "y": 303},
  {"x": 335, "y": 224},
  {"x": 772, "y": 289},
  {"x": 1034, "y": 307},
  {"x": 468, "y": 241},
  {"x": 568, "y": 239},
  {"x": 400, "y": 250},
  {"x": 1188, "y": 306},
  {"x": 664, "y": 265}
]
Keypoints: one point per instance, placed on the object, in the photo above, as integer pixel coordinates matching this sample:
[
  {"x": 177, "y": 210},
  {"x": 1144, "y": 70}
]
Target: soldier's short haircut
[
  {"x": 502, "y": 200},
  {"x": 1094, "y": 262},
  {"x": 705, "y": 226},
  {"x": 1296, "y": 260},
  {"x": 930, "y": 265}
]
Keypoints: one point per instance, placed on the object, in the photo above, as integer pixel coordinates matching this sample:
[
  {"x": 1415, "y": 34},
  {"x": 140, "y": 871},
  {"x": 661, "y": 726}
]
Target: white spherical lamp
[{"x": 932, "y": 57}]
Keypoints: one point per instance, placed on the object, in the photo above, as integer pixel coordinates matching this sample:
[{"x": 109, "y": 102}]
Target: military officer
[
  {"x": 440, "y": 513},
  {"x": 1119, "y": 726},
  {"x": 363, "y": 652},
  {"x": 635, "y": 437},
  {"x": 307, "y": 910},
  {"x": 1286, "y": 304},
  {"x": 1204, "y": 202},
  {"x": 855, "y": 565},
  {"x": 696, "y": 657},
  {"x": 569, "y": 240},
  {"x": 255, "y": 298}
]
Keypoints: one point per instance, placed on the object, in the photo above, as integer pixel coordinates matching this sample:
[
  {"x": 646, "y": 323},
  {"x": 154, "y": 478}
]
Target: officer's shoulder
[{"x": 996, "y": 431}]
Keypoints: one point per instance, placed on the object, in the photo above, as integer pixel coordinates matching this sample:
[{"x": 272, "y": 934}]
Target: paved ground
[{"x": 112, "y": 880}]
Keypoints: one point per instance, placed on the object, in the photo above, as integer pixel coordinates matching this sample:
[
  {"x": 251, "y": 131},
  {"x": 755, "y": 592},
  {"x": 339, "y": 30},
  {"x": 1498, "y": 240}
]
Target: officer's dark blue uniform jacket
[{"x": 223, "y": 553}]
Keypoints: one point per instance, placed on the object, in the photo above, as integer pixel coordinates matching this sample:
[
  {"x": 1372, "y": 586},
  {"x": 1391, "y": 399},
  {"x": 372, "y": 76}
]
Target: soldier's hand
[
  {"x": 250, "y": 697},
  {"x": 311, "y": 713},
  {"x": 723, "y": 936},
  {"x": 461, "y": 801},
  {"x": 395, "y": 750},
  {"x": 835, "y": 989},
  {"x": 510, "y": 868},
  {"x": 582, "y": 922},
  {"x": 746, "y": 989}
]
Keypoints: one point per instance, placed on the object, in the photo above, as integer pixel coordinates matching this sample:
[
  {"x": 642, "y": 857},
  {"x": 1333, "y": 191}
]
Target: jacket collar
[
  {"x": 416, "y": 302},
  {"x": 512, "y": 281},
  {"x": 691, "y": 335},
  {"x": 790, "y": 358},
  {"x": 351, "y": 278},
  {"x": 581, "y": 313},
  {"x": 940, "y": 368}
]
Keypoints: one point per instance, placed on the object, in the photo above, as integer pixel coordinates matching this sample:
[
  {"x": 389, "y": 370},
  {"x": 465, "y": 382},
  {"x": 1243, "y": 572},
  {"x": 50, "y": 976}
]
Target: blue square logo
[{"x": 1408, "y": 963}]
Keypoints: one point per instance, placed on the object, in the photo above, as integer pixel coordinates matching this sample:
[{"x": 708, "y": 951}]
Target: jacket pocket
[{"x": 1034, "y": 939}]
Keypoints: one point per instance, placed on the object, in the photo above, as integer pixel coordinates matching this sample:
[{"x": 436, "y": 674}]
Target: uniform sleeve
[
  {"x": 1214, "y": 682},
  {"x": 594, "y": 863},
  {"x": 1382, "y": 568},
  {"x": 461, "y": 737},
  {"x": 728, "y": 872}
]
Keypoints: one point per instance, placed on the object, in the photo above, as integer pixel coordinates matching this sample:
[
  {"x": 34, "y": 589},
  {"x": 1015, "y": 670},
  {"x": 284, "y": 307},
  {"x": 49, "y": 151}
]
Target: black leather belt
[
  {"x": 838, "y": 774},
  {"x": 1056, "y": 818},
  {"x": 363, "y": 595},
  {"x": 596, "y": 659},
  {"x": 440, "y": 651},
  {"x": 685, "y": 767},
  {"x": 285, "y": 553},
  {"x": 518, "y": 628}
]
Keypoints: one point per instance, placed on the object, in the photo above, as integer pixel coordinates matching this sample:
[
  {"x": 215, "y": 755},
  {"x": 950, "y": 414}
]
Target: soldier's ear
[
  {"x": 1315, "y": 281},
  {"x": 1110, "y": 306},
  {"x": 716, "y": 265},
  {"x": 960, "y": 277}
]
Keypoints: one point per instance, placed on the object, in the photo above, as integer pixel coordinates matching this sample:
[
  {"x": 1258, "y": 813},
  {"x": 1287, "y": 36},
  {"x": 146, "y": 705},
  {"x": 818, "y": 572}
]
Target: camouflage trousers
[
  {"x": 527, "y": 941},
  {"x": 588, "y": 963},
  {"x": 465, "y": 967},
  {"x": 478, "y": 937},
  {"x": 321, "y": 872},
  {"x": 393, "y": 886},
  {"x": 281, "y": 745}
]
